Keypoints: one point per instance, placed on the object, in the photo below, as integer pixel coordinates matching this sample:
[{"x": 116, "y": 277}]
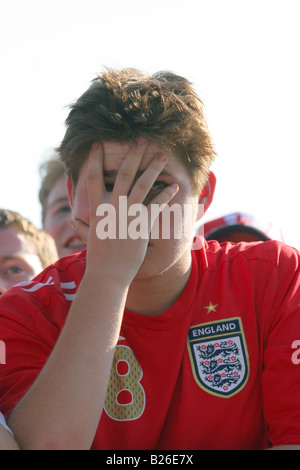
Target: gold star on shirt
[{"x": 211, "y": 307}]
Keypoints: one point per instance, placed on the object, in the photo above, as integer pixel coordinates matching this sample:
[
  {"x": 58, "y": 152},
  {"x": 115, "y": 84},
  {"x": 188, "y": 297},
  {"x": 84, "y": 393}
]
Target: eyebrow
[
  {"x": 13, "y": 257},
  {"x": 113, "y": 173}
]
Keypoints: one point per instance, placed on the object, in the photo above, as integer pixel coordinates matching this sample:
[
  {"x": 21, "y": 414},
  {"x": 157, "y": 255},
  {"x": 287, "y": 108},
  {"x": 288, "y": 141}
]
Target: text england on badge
[{"x": 219, "y": 356}]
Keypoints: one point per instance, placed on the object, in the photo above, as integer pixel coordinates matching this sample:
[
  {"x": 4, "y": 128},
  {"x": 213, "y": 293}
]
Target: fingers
[
  {"x": 95, "y": 183},
  {"x": 127, "y": 182},
  {"x": 127, "y": 172},
  {"x": 159, "y": 202},
  {"x": 165, "y": 196},
  {"x": 144, "y": 183}
]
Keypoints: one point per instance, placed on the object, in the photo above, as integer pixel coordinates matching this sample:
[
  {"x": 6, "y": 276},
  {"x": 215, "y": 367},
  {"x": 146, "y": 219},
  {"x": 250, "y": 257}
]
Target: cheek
[
  {"x": 55, "y": 225},
  {"x": 51, "y": 226},
  {"x": 9, "y": 283},
  {"x": 175, "y": 223}
]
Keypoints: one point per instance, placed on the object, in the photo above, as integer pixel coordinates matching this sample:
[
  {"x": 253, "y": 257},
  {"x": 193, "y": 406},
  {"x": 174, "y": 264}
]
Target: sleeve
[
  {"x": 28, "y": 333},
  {"x": 281, "y": 373}
]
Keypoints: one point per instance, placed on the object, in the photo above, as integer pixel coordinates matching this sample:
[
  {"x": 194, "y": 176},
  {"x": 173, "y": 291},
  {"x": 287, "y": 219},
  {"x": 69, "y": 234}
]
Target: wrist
[{"x": 101, "y": 279}]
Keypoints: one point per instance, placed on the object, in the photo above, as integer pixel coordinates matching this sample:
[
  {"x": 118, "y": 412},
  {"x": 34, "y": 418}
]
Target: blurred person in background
[
  {"x": 238, "y": 227},
  {"x": 56, "y": 210},
  {"x": 25, "y": 250}
]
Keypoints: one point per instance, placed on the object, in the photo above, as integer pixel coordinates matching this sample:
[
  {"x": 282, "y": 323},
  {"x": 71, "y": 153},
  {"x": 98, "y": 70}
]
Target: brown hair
[
  {"x": 50, "y": 172},
  {"x": 121, "y": 105},
  {"x": 42, "y": 242}
]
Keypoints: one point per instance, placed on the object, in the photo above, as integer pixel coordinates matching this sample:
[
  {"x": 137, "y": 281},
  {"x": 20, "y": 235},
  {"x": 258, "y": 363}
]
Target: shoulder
[
  {"x": 56, "y": 284},
  {"x": 55, "y": 274},
  {"x": 273, "y": 253}
]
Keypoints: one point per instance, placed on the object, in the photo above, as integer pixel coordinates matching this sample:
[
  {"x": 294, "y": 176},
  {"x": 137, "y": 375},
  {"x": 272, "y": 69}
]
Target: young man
[
  {"x": 144, "y": 342},
  {"x": 25, "y": 250},
  {"x": 56, "y": 210}
]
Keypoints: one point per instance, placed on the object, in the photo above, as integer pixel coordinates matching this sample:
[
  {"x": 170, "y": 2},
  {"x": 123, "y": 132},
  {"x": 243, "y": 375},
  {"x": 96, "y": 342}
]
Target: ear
[
  {"x": 207, "y": 194},
  {"x": 70, "y": 190}
]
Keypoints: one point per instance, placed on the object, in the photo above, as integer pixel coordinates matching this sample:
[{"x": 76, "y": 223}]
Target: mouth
[{"x": 75, "y": 243}]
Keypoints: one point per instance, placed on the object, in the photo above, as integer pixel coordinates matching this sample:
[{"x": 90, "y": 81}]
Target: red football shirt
[{"x": 215, "y": 371}]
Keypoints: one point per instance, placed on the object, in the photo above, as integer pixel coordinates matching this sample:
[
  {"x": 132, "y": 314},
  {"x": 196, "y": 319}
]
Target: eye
[
  {"x": 156, "y": 188},
  {"x": 109, "y": 187},
  {"x": 14, "y": 270},
  {"x": 66, "y": 208},
  {"x": 159, "y": 186},
  {"x": 59, "y": 210}
]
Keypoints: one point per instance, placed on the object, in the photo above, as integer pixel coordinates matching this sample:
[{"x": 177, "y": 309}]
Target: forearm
[
  {"x": 7, "y": 442},
  {"x": 63, "y": 407}
]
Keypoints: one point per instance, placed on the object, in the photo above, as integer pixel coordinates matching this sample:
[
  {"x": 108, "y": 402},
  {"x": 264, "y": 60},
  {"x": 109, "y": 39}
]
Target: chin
[
  {"x": 163, "y": 258},
  {"x": 153, "y": 266},
  {"x": 68, "y": 250}
]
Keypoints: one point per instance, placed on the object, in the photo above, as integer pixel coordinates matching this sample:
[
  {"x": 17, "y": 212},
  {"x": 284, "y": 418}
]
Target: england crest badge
[{"x": 219, "y": 356}]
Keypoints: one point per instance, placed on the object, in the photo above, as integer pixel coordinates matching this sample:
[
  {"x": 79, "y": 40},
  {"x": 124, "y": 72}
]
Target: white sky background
[{"x": 241, "y": 55}]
